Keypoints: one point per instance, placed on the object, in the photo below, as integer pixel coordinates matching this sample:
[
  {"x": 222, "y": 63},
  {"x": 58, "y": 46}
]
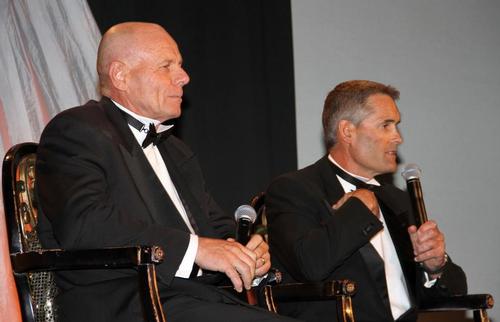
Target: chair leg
[
  {"x": 347, "y": 312},
  {"x": 268, "y": 296},
  {"x": 481, "y": 316},
  {"x": 149, "y": 292}
]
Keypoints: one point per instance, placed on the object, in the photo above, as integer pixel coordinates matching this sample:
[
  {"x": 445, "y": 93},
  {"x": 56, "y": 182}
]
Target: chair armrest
[
  {"x": 458, "y": 303},
  {"x": 313, "y": 291},
  {"x": 113, "y": 257},
  {"x": 144, "y": 258}
]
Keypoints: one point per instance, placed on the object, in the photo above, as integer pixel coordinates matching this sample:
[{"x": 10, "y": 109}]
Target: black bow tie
[
  {"x": 353, "y": 180},
  {"x": 152, "y": 136}
]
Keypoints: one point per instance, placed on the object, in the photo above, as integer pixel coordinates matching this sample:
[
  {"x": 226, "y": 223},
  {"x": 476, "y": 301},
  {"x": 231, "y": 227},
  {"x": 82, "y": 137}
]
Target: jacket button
[{"x": 368, "y": 229}]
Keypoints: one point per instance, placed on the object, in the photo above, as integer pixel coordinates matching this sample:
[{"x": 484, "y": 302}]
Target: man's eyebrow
[
  {"x": 391, "y": 121},
  {"x": 168, "y": 61}
]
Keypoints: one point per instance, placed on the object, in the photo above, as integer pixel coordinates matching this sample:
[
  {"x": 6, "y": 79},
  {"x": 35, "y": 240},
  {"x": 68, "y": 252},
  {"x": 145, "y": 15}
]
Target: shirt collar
[
  {"x": 366, "y": 180},
  {"x": 146, "y": 120}
]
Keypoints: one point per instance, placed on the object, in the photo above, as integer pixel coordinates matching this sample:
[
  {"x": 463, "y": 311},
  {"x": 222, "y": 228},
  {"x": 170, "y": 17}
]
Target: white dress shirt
[{"x": 155, "y": 159}]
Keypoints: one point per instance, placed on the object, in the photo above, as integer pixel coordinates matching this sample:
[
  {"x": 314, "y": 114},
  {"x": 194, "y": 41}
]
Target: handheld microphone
[
  {"x": 245, "y": 216},
  {"x": 411, "y": 173}
]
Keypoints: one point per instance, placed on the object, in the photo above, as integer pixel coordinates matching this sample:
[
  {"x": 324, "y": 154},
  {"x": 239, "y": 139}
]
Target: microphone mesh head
[
  {"x": 411, "y": 171},
  {"x": 245, "y": 211}
]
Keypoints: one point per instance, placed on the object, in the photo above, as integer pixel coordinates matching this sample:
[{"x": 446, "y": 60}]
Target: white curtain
[{"x": 47, "y": 63}]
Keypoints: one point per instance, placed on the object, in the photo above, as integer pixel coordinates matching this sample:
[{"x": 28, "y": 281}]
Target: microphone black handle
[
  {"x": 243, "y": 229},
  {"x": 417, "y": 200}
]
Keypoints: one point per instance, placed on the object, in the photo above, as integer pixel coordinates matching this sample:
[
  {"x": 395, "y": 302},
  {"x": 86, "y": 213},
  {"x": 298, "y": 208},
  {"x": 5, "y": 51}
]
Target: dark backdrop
[{"x": 239, "y": 110}]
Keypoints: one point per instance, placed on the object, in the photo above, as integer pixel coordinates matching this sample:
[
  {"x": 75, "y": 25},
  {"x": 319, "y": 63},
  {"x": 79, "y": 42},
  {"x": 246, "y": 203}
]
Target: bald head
[
  {"x": 129, "y": 43},
  {"x": 140, "y": 67}
]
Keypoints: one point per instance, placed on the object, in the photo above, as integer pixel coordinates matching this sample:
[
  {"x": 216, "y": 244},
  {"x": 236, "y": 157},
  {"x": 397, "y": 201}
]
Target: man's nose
[
  {"x": 181, "y": 78},
  {"x": 398, "y": 138}
]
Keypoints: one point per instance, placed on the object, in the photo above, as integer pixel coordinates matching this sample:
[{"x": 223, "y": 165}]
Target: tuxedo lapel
[
  {"x": 376, "y": 270},
  {"x": 151, "y": 191},
  {"x": 332, "y": 187},
  {"x": 181, "y": 182},
  {"x": 391, "y": 199},
  {"x": 120, "y": 132},
  {"x": 397, "y": 218},
  {"x": 149, "y": 187}
]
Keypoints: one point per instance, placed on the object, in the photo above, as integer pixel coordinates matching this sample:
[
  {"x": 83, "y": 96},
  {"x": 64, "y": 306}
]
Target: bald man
[{"x": 110, "y": 174}]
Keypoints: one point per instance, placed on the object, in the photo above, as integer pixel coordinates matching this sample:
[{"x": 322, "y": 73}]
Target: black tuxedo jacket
[
  {"x": 97, "y": 189},
  {"x": 311, "y": 242}
]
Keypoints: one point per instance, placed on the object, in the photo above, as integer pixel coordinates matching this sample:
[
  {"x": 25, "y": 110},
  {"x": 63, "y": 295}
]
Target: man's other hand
[
  {"x": 428, "y": 246},
  {"x": 229, "y": 257},
  {"x": 261, "y": 249}
]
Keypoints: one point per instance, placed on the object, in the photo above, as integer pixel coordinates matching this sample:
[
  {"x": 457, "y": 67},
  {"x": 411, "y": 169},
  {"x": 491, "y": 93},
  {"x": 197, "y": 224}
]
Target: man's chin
[
  {"x": 173, "y": 114},
  {"x": 393, "y": 168},
  {"x": 390, "y": 168}
]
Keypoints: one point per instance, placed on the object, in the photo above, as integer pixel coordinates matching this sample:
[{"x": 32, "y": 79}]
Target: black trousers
[{"x": 191, "y": 301}]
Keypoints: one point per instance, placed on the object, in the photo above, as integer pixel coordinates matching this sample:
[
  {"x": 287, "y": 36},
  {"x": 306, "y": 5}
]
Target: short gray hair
[{"x": 347, "y": 101}]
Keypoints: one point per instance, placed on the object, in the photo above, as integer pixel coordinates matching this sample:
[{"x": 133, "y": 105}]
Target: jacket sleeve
[
  {"x": 308, "y": 237},
  {"x": 452, "y": 282}
]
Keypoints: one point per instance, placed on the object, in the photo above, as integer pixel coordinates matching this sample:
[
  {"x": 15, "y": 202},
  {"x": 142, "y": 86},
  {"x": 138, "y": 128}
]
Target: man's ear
[
  {"x": 346, "y": 131},
  {"x": 118, "y": 75}
]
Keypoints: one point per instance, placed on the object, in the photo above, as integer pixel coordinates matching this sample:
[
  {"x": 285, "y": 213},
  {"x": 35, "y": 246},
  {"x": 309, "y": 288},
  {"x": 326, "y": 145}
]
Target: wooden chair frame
[{"x": 27, "y": 260}]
